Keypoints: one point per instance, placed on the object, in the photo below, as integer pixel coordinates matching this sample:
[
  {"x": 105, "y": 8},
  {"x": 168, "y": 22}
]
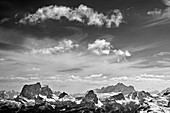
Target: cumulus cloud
[
  {"x": 63, "y": 46},
  {"x": 122, "y": 53},
  {"x": 156, "y": 11},
  {"x": 102, "y": 47},
  {"x": 82, "y": 14}
]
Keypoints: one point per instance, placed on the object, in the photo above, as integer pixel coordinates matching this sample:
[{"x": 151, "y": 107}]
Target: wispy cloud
[
  {"x": 161, "y": 54},
  {"x": 63, "y": 46},
  {"x": 71, "y": 70},
  {"x": 159, "y": 18},
  {"x": 94, "y": 76},
  {"x": 33, "y": 69},
  {"x": 2, "y": 59},
  {"x": 143, "y": 47},
  {"x": 74, "y": 78},
  {"x": 142, "y": 77},
  {"x": 82, "y": 14}
]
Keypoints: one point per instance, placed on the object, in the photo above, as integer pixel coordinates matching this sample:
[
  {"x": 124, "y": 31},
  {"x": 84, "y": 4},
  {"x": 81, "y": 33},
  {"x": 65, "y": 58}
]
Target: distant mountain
[
  {"x": 120, "y": 87},
  {"x": 167, "y": 90},
  {"x": 154, "y": 92},
  {"x": 8, "y": 94},
  {"x": 139, "y": 95}
]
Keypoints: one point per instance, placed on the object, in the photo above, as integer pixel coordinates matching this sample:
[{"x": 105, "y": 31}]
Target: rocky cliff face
[
  {"x": 33, "y": 90},
  {"x": 119, "y": 96},
  {"x": 90, "y": 97},
  {"x": 117, "y": 88},
  {"x": 139, "y": 95},
  {"x": 46, "y": 91}
]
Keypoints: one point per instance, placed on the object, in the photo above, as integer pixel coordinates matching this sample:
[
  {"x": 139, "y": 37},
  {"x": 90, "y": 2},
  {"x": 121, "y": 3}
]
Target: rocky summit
[
  {"x": 90, "y": 97},
  {"x": 33, "y": 90},
  {"x": 37, "y": 99},
  {"x": 117, "y": 88}
]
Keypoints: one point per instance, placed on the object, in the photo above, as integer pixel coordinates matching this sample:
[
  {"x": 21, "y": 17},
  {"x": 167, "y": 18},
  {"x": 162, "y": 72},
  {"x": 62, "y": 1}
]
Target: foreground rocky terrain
[{"x": 123, "y": 99}]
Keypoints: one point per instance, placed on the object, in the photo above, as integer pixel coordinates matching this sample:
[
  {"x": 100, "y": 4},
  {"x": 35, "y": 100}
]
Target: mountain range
[{"x": 120, "y": 98}]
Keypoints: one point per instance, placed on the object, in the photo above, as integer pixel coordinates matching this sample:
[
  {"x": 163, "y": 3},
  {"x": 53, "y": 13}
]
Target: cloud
[
  {"x": 161, "y": 17},
  {"x": 4, "y": 20},
  {"x": 122, "y": 53},
  {"x": 142, "y": 77},
  {"x": 94, "y": 76},
  {"x": 33, "y": 69},
  {"x": 166, "y": 2},
  {"x": 65, "y": 45},
  {"x": 71, "y": 70},
  {"x": 74, "y": 78},
  {"x": 13, "y": 77},
  {"x": 156, "y": 11},
  {"x": 82, "y": 14},
  {"x": 143, "y": 47},
  {"x": 162, "y": 54},
  {"x": 152, "y": 76},
  {"x": 102, "y": 47},
  {"x": 34, "y": 78},
  {"x": 2, "y": 59}
]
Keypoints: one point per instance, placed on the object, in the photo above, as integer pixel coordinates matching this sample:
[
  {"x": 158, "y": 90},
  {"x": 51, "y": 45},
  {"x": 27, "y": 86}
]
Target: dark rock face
[
  {"x": 62, "y": 95},
  {"x": 33, "y": 90},
  {"x": 120, "y": 96},
  {"x": 140, "y": 95},
  {"x": 117, "y": 88},
  {"x": 90, "y": 97},
  {"x": 30, "y": 91},
  {"x": 46, "y": 91}
]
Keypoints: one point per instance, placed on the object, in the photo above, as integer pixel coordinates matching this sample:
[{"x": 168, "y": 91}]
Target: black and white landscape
[
  {"x": 101, "y": 56},
  {"x": 120, "y": 98}
]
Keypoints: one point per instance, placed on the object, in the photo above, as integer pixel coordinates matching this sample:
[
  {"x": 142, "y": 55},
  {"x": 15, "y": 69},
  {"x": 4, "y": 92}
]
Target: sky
[{"x": 77, "y": 45}]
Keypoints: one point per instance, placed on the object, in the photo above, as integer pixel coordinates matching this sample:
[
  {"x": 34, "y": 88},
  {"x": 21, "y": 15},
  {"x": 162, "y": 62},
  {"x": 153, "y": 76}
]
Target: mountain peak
[
  {"x": 119, "y": 87},
  {"x": 33, "y": 90}
]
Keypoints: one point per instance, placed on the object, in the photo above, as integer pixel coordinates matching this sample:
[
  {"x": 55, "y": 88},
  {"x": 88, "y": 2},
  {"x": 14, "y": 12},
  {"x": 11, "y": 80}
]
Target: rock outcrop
[
  {"x": 139, "y": 95},
  {"x": 33, "y": 90},
  {"x": 46, "y": 91},
  {"x": 62, "y": 95},
  {"x": 119, "y": 96}
]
